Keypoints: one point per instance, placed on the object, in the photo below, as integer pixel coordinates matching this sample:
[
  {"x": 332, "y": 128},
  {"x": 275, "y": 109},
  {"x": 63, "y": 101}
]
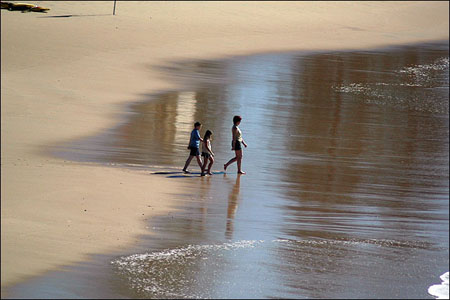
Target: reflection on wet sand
[
  {"x": 361, "y": 159},
  {"x": 347, "y": 181},
  {"x": 185, "y": 117},
  {"x": 205, "y": 196},
  {"x": 233, "y": 200},
  {"x": 359, "y": 171}
]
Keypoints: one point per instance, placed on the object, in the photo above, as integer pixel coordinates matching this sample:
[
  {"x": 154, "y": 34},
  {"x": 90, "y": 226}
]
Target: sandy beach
[{"x": 69, "y": 73}]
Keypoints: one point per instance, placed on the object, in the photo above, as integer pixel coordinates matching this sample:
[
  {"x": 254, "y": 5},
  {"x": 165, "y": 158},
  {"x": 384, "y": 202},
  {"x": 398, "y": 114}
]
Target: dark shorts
[
  {"x": 194, "y": 151},
  {"x": 206, "y": 155},
  {"x": 237, "y": 146}
]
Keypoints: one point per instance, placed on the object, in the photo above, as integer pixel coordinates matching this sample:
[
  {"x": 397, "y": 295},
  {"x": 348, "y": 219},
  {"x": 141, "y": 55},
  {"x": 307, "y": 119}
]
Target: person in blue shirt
[{"x": 194, "y": 145}]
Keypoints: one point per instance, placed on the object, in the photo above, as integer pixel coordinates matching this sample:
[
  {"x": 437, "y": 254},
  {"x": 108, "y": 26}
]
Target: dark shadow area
[
  {"x": 69, "y": 16},
  {"x": 180, "y": 174}
]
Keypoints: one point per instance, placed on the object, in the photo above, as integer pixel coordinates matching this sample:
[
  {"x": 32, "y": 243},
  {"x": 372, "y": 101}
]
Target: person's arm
[
  {"x": 199, "y": 137},
  {"x": 208, "y": 148},
  {"x": 244, "y": 143}
]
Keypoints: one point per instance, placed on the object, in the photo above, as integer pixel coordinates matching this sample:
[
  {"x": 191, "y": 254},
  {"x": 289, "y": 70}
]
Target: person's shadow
[{"x": 233, "y": 200}]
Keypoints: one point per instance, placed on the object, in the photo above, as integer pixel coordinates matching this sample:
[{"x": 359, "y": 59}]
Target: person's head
[
  {"x": 208, "y": 135},
  {"x": 237, "y": 120},
  {"x": 197, "y": 125}
]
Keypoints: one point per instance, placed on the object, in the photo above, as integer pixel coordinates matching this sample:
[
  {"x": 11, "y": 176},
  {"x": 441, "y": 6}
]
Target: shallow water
[{"x": 347, "y": 186}]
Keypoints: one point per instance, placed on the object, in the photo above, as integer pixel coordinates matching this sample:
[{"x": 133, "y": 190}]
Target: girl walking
[
  {"x": 236, "y": 145},
  {"x": 207, "y": 153}
]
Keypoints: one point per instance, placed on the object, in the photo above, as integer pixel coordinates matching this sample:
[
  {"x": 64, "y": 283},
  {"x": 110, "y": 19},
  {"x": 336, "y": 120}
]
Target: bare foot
[
  {"x": 225, "y": 167},
  {"x": 209, "y": 173},
  {"x": 241, "y": 172},
  {"x": 186, "y": 172}
]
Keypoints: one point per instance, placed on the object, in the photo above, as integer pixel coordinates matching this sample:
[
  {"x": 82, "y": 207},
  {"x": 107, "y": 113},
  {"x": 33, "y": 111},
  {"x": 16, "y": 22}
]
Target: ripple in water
[
  {"x": 174, "y": 273},
  {"x": 418, "y": 88},
  {"x": 166, "y": 273}
]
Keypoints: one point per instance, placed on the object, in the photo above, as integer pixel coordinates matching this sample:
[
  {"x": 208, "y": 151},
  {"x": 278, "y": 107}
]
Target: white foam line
[
  {"x": 441, "y": 291},
  {"x": 171, "y": 254}
]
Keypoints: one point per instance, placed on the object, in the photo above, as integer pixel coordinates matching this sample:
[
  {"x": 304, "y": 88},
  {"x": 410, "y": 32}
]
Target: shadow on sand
[
  {"x": 180, "y": 174},
  {"x": 68, "y": 16}
]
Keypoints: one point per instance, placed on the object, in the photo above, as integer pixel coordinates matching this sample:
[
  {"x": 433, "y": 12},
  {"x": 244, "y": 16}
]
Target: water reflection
[
  {"x": 205, "y": 196},
  {"x": 185, "y": 117},
  {"x": 233, "y": 200},
  {"x": 347, "y": 187},
  {"x": 357, "y": 155}
]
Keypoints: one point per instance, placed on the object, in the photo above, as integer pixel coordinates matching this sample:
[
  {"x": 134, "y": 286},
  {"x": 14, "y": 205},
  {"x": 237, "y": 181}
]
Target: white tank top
[
  {"x": 238, "y": 134},
  {"x": 204, "y": 149}
]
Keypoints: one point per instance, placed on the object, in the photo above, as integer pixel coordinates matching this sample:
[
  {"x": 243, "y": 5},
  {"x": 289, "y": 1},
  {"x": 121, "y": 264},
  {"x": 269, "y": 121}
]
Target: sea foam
[{"x": 440, "y": 290}]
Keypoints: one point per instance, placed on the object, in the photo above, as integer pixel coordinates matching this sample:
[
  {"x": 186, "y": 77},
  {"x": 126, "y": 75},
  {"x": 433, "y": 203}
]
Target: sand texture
[{"x": 68, "y": 73}]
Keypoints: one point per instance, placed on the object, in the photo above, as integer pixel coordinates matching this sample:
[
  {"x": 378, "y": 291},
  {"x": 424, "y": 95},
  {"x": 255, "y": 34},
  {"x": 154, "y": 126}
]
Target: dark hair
[
  {"x": 197, "y": 124},
  {"x": 236, "y": 119},
  {"x": 208, "y": 135}
]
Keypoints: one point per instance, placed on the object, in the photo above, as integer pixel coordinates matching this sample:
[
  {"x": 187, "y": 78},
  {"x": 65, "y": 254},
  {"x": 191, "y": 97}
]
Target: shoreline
[
  {"x": 128, "y": 107},
  {"x": 163, "y": 240},
  {"x": 50, "y": 82}
]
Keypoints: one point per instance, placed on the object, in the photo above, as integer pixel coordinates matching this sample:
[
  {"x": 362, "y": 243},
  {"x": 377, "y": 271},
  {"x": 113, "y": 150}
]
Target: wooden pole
[{"x": 114, "y": 11}]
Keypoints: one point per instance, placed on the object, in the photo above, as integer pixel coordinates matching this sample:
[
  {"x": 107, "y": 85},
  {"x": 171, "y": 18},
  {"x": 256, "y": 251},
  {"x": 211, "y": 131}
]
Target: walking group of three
[{"x": 208, "y": 154}]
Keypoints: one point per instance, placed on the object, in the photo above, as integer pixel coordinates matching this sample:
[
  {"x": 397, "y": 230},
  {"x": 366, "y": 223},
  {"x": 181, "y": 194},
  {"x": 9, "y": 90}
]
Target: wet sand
[
  {"x": 346, "y": 194},
  {"x": 69, "y": 77}
]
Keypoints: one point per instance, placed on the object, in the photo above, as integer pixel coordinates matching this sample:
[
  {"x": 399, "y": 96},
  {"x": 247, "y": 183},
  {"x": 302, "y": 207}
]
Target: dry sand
[{"x": 67, "y": 77}]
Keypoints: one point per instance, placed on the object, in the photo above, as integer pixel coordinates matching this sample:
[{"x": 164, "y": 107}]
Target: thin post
[{"x": 114, "y": 11}]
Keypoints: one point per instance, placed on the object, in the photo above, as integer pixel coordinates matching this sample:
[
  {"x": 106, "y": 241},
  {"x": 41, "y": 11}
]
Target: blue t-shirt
[{"x": 195, "y": 139}]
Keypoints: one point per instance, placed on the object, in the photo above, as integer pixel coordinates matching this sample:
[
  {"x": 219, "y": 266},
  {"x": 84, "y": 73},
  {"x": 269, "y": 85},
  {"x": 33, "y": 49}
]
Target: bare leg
[
  {"x": 199, "y": 161},
  {"x": 205, "y": 162},
  {"x": 229, "y": 163},
  {"x": 239, "y": 163},
  {"x": 239, "y": 155},
  {"x": 188, "y": 161},
  {"x": 211, "y": 161}
]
